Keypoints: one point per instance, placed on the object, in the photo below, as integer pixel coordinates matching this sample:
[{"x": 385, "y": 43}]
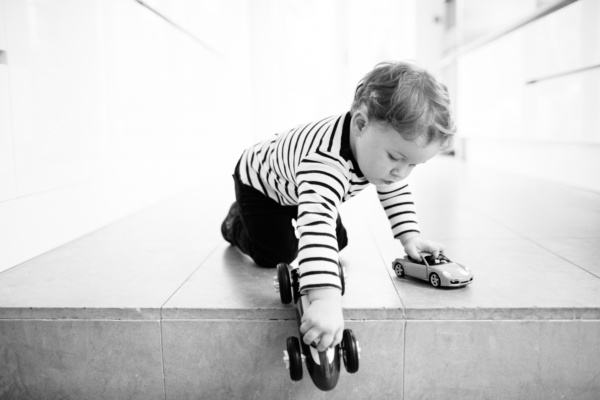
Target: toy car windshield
[{"x": 430, "y": 259}]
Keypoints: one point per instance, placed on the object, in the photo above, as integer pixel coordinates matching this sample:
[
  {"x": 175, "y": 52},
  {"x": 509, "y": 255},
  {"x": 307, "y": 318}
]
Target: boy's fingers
[
  {"x": 439, "y": 250},
  {"x": 414, "y": 254},
  {"x": 326, "y": 341},
  {"x": 304, "y": 327},
  {"x": 310, "y": 336},
  {"x": 338, "y": 337}
]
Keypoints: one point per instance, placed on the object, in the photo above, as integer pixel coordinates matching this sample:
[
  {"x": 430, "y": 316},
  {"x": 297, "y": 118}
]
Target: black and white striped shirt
[{"x": 312, "y": 166}]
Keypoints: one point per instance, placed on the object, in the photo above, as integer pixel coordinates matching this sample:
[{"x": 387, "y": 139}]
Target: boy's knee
[{"x": 270, "y": 259}]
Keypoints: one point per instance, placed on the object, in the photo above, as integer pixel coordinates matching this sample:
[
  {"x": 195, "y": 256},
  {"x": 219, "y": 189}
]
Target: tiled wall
[
  {"x": 105, "y": 108},
  {"x": 528, "y": 101}
]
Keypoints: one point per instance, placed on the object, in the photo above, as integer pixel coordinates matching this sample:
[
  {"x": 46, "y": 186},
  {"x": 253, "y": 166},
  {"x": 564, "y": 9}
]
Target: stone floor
[{"x": 157, "y": 305}]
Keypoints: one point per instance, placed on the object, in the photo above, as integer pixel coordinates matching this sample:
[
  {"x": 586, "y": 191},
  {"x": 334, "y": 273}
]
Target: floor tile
[
  {"x": 513, "y": 279},
  {"x": 80, "y": 360},
  {"x": 188, "y": 216},
  {"x": 526, "y": 206},
  {"x": 443, "y": 222},
  {"x": 88, "y": 279},
  {"x": 230, "y": 285},
  {"x": 502, "y": 360},
  {"x": 584, "y": 253}
]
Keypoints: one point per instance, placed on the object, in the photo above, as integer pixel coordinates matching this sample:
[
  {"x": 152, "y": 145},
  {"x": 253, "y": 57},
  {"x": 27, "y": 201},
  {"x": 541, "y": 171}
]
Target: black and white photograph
[{"x": 300, "y": 199}]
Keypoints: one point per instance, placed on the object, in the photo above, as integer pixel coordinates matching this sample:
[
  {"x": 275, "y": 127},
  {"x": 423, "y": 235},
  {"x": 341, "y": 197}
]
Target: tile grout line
[
  {"x": 532, "y": 240},
  {"x": 404, "y": 357},
  {"x": 404, "y": 320},
  {"x": 187, "y": 279},
  {"x": 559, "y": 256},
  {"x": 162, "y": 357},
  {"x": 160, "y": 320},
  {"x": 389, "y": 276}
]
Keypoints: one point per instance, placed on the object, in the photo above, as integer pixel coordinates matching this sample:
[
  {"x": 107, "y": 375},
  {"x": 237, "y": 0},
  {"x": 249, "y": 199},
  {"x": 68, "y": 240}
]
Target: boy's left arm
[{"x": 398, "y": 204}]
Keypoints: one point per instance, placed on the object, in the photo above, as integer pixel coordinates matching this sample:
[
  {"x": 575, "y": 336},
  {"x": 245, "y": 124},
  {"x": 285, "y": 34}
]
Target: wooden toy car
[
  {"x": 323, "y": 367},
  {"x": 438, "y": 271}
]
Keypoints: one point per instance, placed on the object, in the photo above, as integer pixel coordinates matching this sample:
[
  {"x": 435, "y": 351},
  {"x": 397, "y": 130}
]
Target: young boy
[{"x": 400, "y": 118}]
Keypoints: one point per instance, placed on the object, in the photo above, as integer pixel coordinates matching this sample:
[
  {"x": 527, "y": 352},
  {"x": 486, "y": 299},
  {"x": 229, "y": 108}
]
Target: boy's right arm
[
  {"x": 321, "y": 187},
  {"x": 323, "y": 319}
]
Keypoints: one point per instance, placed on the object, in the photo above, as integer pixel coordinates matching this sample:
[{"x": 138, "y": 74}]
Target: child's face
[{"x": 383, "y": 155}]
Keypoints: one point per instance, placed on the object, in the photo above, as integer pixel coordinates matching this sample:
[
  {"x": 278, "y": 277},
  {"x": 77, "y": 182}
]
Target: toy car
[
  {"x": 438, "y": 271},
  {"x": 323, "y": 367}
]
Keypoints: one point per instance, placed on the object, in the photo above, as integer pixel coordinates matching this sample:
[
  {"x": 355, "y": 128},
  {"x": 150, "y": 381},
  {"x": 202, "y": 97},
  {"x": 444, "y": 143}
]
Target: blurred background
[{"x": 109, "y": 106}]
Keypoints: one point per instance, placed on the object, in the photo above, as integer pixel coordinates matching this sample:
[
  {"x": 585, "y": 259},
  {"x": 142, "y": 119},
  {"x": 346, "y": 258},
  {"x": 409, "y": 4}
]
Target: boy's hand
[
  {"x": 415, "y": 245},
  {"x": 323, "y": 319}
]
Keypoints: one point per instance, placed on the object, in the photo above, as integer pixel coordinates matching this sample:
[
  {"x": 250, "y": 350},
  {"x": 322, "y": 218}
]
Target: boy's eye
[{"x": 391, "y": 157}]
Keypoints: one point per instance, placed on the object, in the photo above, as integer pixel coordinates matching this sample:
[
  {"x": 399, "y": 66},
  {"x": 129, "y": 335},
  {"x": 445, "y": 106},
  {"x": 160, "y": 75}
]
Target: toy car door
[{"x": 418, "y": 270}]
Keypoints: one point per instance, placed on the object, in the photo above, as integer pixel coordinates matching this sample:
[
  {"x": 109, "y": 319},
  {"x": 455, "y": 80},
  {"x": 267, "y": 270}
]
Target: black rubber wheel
[
  {"x": 285, "y": 285},
  {"x": 293, "y": 349},
  {"x": 350, "y": 351},
  {"x": 399, "y": 269},
  {"x": 342, "y": 277},
  {"x": 434, "y": 279}
]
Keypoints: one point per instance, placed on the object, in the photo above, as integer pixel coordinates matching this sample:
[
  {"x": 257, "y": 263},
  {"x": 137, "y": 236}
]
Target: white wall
[
  {"x": 430, "y": 34},
  {"x": 548, "y": 129},
  {"x": 106, "y": 108},
  {"x": 308, "y": 55}
]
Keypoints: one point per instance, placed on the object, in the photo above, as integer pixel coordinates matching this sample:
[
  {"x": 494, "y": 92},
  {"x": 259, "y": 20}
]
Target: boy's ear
[{"x": 360, "y": 121}]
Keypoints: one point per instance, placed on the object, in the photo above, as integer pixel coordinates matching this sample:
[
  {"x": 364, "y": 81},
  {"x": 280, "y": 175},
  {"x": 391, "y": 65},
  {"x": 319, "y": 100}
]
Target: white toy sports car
[{"x": 438, "y": 271}]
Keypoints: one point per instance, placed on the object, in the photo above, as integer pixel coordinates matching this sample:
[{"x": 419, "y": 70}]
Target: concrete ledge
[
  {"x": 159, "y": 306},
  {"x": 242, "y": 359},
  {"x": 505, "y": 314},
  {"x": 502, "y": 359},
  {"x": 66, "y": 359}
]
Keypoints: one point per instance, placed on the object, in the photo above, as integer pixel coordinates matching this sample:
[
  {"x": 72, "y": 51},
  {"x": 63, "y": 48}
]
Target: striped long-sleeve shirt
[{"x": 312, "y": 166}]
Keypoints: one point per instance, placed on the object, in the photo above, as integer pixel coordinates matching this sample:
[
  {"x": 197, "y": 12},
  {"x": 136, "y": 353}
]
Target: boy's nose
[{"x": 399, "y": 173}]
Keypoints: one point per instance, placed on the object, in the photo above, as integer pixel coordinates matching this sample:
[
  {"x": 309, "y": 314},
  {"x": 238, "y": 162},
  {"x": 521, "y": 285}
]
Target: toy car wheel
[
  {"x": 434, "y": 279},
  {"x": 293, "y": 349},
  {"x": 342, "y": 277},
  {"x": 285, "y": 285},
  {"x": 350, "y": 352},
  {"x": 399, "y": 269}
]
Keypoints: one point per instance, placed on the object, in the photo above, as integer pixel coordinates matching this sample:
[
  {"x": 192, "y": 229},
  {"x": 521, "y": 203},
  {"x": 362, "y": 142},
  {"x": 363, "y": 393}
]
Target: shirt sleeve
[
  {"x": 321, "y": 185},
  {"x": 399, "y": 206}
]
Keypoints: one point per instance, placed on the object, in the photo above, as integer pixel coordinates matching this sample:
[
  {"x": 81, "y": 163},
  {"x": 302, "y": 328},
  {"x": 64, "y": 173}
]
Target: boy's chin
[{"x": 380, "y": 182}]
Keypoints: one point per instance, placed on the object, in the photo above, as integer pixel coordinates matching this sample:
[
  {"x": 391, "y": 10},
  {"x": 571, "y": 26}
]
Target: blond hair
[{"x": 408, "y": 98}]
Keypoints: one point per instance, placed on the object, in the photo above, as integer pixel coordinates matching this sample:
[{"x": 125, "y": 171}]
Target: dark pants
[{"x": 265, "y": 232}]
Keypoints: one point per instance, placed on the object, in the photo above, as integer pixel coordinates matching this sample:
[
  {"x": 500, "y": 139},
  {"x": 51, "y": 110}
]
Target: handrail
[
  {"x": 183, "y": 30},
  {"x": 561, "y": 74},
  {"x": 470, "y": 46}
]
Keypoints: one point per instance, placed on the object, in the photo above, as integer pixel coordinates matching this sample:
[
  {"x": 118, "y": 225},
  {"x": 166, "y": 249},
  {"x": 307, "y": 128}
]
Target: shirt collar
[{"x": 346, "y": 150}]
